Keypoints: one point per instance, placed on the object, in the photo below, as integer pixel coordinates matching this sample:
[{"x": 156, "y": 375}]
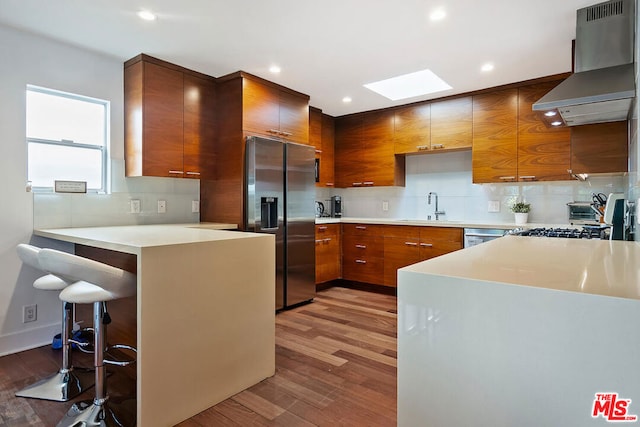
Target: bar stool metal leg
[
  {"x": 68, "y": 382},
  {"x": 96, "y": 412}
]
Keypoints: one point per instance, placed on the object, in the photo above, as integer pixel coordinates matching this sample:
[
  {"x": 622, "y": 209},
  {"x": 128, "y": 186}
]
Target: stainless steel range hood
[{"x": 603, "y": 86}]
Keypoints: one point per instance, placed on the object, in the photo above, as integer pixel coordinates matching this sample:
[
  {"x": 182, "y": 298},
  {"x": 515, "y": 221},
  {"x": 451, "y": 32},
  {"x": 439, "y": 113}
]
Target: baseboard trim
[
  {"x": 29, "y": 339},
  {"x": 361, "y": 286}
]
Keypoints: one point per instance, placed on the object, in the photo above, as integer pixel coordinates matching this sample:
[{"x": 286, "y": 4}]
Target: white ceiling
[{"x": 326, "y": 49}]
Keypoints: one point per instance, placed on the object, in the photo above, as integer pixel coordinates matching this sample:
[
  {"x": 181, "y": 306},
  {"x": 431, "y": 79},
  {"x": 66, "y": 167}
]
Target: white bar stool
[
  {"x": 68, "y": 382},
  {"x": 96, "y": 283}
]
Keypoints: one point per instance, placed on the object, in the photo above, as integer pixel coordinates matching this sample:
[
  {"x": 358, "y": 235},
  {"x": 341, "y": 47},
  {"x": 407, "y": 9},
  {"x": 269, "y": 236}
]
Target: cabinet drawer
[
  {"x": 326, "y": 230},
  {"x": 441, "y": 234},
  {"x": 362, "y": 229},
  {"x": 362, "y": 246},
  {"x": 402, "y": 231},
  {"x": 369, "y": 270}
]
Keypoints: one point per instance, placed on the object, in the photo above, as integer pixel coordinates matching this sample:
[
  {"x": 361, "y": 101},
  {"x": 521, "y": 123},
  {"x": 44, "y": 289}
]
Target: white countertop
[
  {"x": 431, "y": 223},
  {"x": 131, "y": 238},
  {"x": 600, "y": 267}
]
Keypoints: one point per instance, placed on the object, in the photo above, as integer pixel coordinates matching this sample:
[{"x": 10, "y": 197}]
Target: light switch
[
  {"x": 162, "y": 206},
  {"x": 494, "y": 206},
  {"x": 385, "y": 206},
  {"x": 195, "y": 206}
]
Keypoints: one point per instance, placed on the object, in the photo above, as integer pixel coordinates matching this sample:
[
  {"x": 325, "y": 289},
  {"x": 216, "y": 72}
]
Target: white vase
[{"x": 521, "y": 218}]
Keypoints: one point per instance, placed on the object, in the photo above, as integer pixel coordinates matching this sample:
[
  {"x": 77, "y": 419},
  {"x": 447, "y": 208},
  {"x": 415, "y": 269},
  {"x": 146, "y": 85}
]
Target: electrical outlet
[
  {"x": 29, "y": 313},
  {"x": 494, "y": 206},
  {"x": 134, "y": 206},
  {"x": 195, "y": 206},
  {"x": 162, "y": 206},
  {"x": 385, "y": 206}
]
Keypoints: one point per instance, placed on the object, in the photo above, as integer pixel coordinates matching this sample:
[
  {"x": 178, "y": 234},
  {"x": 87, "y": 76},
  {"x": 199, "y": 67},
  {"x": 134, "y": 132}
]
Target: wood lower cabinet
[
  {"x": 363, "y": 253},
  {"x": 170, "y": 120},
  {"x": 328, "y": 252},
  {"x": 406, "y": 245}
]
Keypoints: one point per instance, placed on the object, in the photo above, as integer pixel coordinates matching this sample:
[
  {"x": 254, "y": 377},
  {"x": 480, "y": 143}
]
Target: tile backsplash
[
  {"x": 449, "y": 175},
  {"x": 60, "y": 210}
]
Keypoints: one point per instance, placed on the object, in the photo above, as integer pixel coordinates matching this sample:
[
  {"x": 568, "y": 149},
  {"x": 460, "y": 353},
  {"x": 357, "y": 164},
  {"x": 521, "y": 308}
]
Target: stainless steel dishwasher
[{"x": 475, "y": 236}]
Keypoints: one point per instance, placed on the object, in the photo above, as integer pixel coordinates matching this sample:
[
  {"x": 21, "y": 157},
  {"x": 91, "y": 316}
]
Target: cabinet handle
[
  {"x": 327, "y": 240},
  {"x": 368, "y": 183},
  {"x": 422, "y": 147},
  {"x": 277, "y": 132},
  {"x": 437, "y": 146},
  {"x": 179, "y": 172},
  {"x": 361, "y": 246},
  {"x": 426, "y": 245},
  {"x": 361, "y": 261},
  {"x": 356, "y": 184},
  {"x": 528, "y": 177},
  {"x": 411, "y": 243},
  {"x": 322, "y": 227},
  {"x": 507, "y": 178},
  {"x": 329, "y": 184},
  {"x": 361, "y": 227},
  {"x": 285, "y": 133},
  {"x": 318, "y": 241},
  {"x": 318, "y": 151},
  {"x": 193, "y": 173}
]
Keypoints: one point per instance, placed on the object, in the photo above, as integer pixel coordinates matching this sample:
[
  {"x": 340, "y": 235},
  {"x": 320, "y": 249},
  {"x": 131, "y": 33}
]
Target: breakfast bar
[
  {"x": 205, "y": 317},
  {"x": 520, "y": 331}
]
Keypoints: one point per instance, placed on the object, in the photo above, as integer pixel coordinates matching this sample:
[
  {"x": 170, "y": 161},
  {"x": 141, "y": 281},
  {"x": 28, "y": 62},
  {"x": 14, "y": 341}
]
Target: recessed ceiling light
[
  {"x": 556, "y": 123},
  {"x": 550, "y": 113},
  {"x": 346, "y": 99},
  {"x": 147, "y": 15},
  {"x": 438, "y": 15},
  {"x": 487, "y": 67},
  {"x": 409, "y": 85},
  {"x": 275, "y": 69}
]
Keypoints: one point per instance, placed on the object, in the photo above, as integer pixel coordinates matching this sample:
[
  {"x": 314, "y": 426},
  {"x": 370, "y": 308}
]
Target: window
[{"x": 67, "y": 138}]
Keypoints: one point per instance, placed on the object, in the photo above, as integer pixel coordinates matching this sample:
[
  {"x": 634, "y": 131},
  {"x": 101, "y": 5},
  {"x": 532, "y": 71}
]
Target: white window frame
[{"x": 66, "y": 143}]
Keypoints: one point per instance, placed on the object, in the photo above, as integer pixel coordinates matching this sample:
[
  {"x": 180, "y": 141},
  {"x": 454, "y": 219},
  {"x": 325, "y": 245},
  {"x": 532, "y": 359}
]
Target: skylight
[{"x": 409, "y": 85}]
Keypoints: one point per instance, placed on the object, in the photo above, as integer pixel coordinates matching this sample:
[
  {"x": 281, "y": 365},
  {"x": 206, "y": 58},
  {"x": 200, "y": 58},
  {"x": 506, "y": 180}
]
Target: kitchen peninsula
[
  {"x": 205, "y": 317},
  {"x": 519, "y": 331}
]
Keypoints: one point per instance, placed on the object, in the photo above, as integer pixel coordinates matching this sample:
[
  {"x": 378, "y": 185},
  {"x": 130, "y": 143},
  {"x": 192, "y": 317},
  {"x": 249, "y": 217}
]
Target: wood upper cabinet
[
  {"x": 451, "y": 124},
  {"x": 327, "y": 157},
  {"x": 495, "y": 137},
  {"x": 364, "y": 151},
  {"x": 328, "y": 252},
  {"x": 412, "y": 129},
  {"x": 169, "y": 120},
  {"x": 544, "y": 153},
  {"x": 274, "y": 111},
  {"x": 600, "y": 148}
]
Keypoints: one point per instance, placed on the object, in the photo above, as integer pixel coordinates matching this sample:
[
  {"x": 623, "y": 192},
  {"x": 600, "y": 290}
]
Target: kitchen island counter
[
  {"x": 519, "y": 331},
  {"x": 205, "y": 311}
]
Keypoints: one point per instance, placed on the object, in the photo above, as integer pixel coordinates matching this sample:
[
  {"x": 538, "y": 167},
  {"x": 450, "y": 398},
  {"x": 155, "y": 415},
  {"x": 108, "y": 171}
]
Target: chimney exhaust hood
[{"x": 603, "y": 86}]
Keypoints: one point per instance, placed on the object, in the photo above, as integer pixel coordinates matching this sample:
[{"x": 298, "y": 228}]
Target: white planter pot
[{"x": 521, "y": 218}]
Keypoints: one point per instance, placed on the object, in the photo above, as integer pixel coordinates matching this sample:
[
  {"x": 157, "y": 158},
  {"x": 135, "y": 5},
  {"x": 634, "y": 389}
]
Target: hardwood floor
[{"x": 335, "y": 366}]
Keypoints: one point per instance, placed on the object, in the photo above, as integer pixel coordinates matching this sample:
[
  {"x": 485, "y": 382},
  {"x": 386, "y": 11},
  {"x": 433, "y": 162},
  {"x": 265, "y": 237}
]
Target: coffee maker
[{"x": 336, "y": 206}]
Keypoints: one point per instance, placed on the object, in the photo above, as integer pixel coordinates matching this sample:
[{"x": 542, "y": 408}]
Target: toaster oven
[{"x": 582, "y": 213}]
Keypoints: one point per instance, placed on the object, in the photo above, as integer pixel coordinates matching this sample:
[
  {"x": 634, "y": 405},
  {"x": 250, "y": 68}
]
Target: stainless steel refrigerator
[{"x": 280, "y": 199}]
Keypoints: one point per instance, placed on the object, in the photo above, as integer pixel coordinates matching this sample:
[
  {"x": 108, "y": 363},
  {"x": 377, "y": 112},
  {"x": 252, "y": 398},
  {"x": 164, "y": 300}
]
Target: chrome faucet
[{"x": 437, "y": 212}]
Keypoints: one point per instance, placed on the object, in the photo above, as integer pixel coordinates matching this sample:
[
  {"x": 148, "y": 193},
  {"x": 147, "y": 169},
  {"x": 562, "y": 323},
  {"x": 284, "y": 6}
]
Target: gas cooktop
[{"x": 570, "y": 233}]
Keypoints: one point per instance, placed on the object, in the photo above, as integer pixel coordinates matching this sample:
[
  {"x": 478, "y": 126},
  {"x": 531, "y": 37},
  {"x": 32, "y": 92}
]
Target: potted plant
[{"x": 521, "y": 212}]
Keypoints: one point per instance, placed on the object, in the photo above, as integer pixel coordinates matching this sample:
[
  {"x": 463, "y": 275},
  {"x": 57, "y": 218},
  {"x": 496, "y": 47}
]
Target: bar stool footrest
[{"x": 120, "y": 362}]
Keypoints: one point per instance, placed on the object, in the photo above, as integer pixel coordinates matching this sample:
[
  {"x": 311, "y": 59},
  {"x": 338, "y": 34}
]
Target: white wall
[
  {"x": 30, "y": 59},
  {"x": 449, "y": 175}
]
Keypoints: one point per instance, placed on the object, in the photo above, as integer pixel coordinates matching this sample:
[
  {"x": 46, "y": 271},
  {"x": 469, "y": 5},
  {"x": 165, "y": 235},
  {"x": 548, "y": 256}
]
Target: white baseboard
[{"x": 26, "y": 340}]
